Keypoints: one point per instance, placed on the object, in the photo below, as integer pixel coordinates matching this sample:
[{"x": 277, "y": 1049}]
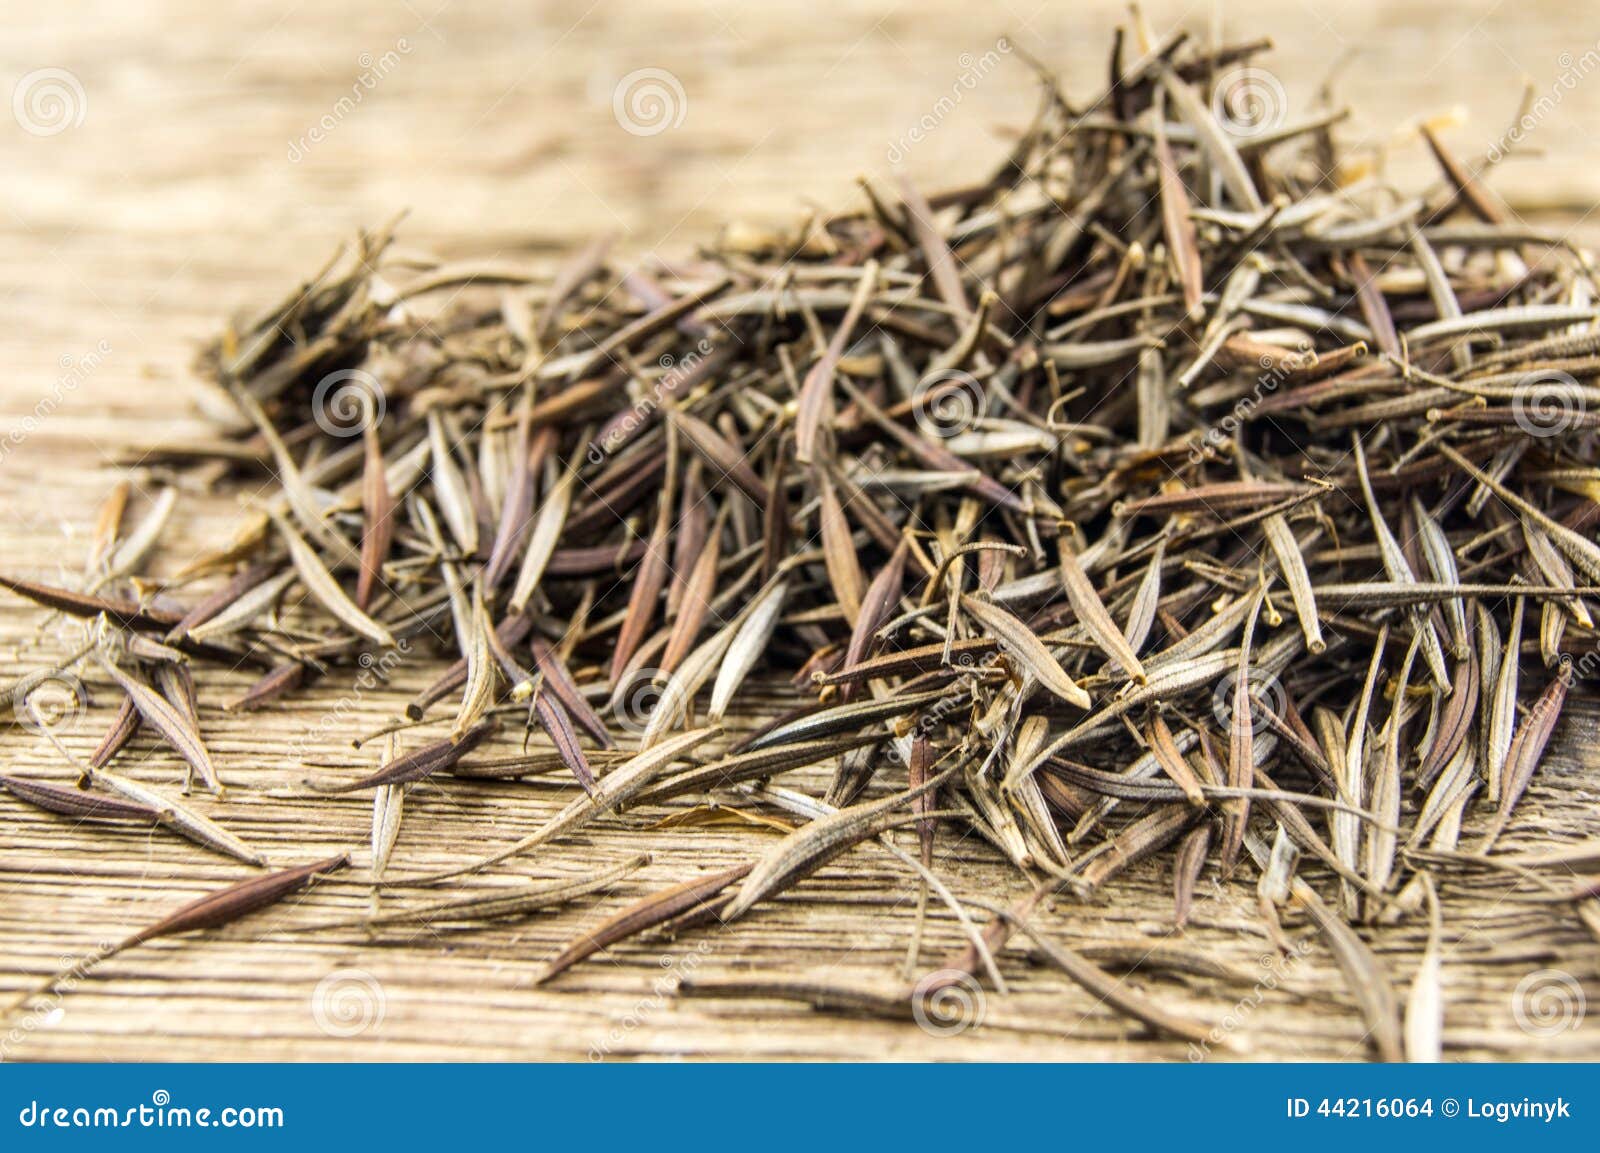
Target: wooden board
[{"x": 191, "y": 188}]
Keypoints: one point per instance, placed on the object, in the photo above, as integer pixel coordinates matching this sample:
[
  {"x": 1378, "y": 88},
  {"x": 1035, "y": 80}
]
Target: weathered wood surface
[{"x": 176, "y": 199}]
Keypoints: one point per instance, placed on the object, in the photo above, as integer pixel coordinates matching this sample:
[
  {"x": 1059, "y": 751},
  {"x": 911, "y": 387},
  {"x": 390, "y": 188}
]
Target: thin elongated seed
[
  {"x": 1142, "y": 615},
  {"x": 1367, "y": 980},
  {"x": 1024, "y": 644},
  {"x": 1455, "y": 721},
  {"x": 1503, "y": 707},
  {"x": 543, "y": 539},
  {"x": 1241, "y": 744},
  {"x": 245, "y": 609},
  {"x": 388, "y": 809},
  {"x": 811, "y": 846},
  {"x": 1292, "y": 564},
  {"x": 748, "y": 646},
  {"x": 141, "y": 539},
  {"x": 839, "y": 554},
  {"x": 224, "y": 598},
  {"x": 423, "y": 762},
  {"x": 1123, "y": 787},
  {"x": 1172, "y": 761},
  {"x": 209, "y": 912},
  {"x": 762, "y": 763},
  {"x": 1383, "y": 841},
  {"x": 1425, "y": 1003},
  {"x": 494, "y": 907},
  {"x": 377, "y": 507},
  {"x": 1106, "y": 988},
  {"x": 653, "y": 910},
  {"x": 1527, "y": 749},
  {"x": 553, "y": 719},
  {"x": 726, "y": 461},
  {"x": 1386, "y": 594},
  {"x": 1091, "y": 611},
  {"x": 613, "y": 790},
  {"x": 1190, "y": 860},
  {"x": 298, "y": 496},
  {"x": 123, "y": 727},
  {"x": 124, "y": 612},
  {"x": 816, "y": 396},
  {"x": 71, "y": 802},
  {"x": 843, "y": 718},
  {"x": 648, "y": 581},
  {"x": 175, "y": 728},
  {"x": 450, "y": 487},
  {"x": 107, "y": 527},
  {"x": 237, "y": 901},
  {"x": 483, "y": 669},
  {"x": 677, "y": 698},
  {"x": 322, "y": 584},
  {"x": 179, "y": 817},
  {"x": 1175, "y": 220},
  {"x": 1441, "y": 560},
  {"x": 940, "y": 260},
  {"x": 695, "y": 605},
  {"x": 559, "y": 681},
  {"x": 1215, "y": 142}
]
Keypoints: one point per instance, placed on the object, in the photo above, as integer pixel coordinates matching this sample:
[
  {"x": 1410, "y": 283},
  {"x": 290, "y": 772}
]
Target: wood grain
[{"x": 180, "y": 198}]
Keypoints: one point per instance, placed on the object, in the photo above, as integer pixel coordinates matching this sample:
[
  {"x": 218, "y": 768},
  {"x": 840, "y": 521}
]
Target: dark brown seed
[
  {"x": 646, "y": 914},
  {"x": 433, "y": 758},
  {"x": 72, "y": 802}
]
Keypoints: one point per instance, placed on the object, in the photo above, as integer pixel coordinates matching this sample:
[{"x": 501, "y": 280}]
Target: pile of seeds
[{"x": 1180, "y": 489}]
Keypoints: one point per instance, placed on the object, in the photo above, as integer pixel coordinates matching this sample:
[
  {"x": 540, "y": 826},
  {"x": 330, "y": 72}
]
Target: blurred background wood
[{"x": 194, "y": 185}]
